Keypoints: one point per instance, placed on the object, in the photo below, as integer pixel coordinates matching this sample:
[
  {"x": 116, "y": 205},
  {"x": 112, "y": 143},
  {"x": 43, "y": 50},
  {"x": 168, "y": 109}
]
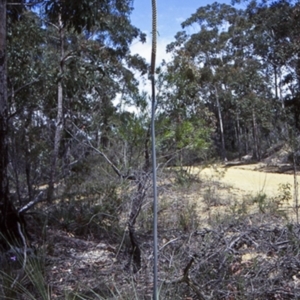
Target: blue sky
[{"x": 170, "y": 14}]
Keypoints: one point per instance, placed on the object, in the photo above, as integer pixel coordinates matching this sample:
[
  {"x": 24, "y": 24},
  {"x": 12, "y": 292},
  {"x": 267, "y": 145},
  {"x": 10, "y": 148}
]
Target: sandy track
[{"x": 249, "y": 181}]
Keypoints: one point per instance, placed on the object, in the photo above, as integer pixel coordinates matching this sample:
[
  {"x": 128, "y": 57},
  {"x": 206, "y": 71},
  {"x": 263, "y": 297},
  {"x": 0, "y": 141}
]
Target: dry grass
[{"x": 216, "y": 241}]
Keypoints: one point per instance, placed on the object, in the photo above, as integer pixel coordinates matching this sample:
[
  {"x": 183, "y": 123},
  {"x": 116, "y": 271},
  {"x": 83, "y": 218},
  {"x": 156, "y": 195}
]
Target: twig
[
  {"x": 116, "y": 170},
  {"x": 24, "y": 252},
  {"x": 169, "y": 242},
  {"x": 39, "y": 198},
  {"x": 22, "y": 87}
]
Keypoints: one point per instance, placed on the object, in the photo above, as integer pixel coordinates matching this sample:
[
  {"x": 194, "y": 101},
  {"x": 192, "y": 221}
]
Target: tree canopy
[
  {"x": 75, "y": 124},
  {"x": 231, "y": 88}
]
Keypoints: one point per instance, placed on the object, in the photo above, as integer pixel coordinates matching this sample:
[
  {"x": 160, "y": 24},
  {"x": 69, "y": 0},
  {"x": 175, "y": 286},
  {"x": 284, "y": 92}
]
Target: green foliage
[
  {"x": 93, "y": 209},
  {"x": 284, "y": 194},
  {"x": 236, "y": 60},
  {"x": 110, "y": 19},
  {"x": 189, "y": 218},
  {"x": 19, "y": 281},
  {"x": 261, "y": 200},
  {"x": 231, "y": 74},
  {"x": 95, "y": 71},
  {"x": 240, "y": 207},
  {"x": 276, "y": 204}
]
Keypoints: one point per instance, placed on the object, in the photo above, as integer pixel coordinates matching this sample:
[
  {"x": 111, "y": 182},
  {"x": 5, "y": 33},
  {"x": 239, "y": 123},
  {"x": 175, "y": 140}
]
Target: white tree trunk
[
  {"x": 221, "y": 124},
  {"x": 59, "y": 117}
]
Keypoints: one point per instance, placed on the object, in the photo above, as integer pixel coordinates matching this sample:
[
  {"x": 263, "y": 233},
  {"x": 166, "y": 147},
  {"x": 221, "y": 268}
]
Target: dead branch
[{"x": 38, "y": 198}]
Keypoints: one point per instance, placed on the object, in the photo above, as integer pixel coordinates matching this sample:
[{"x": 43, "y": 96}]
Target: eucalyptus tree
[
  {"x": 221, "y": 51},
  {"x": 85, "y": 75},
  {"x": 274, "y": 38},
  {"x": 271, "y": 24},
  {"x": 109, "y": 23},
  {"x": 184, "y": 125},
  {"x": 210, "y": 51},
  {"x": 26, "y": 78},
  {"x": 10, "y": 221},
  {"x": 4, "y": 188}
]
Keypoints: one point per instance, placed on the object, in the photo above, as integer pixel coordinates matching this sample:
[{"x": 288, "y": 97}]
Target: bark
[
  {"x": 4, "y": 188},
  {"x": 10, "y": 220},
  {"x": 59, "y": 117},
  {"x": 146, "y": 151},
  {"x": 295, "y": 187},
  {"x": 105, "y": 128},
  {"x": 275, "y": 81},
  {"x": 137, "y": 202},
  {"x": 278, "y": 89},
  {"x": 238, "y": 129},
  {"x": 247, "y": 140},
  {"x": 256, "y": 154},
  {"x": 221, "y": 125}
]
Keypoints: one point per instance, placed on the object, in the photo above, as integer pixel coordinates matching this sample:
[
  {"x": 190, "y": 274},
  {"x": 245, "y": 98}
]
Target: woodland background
[{"x": 75, "y": 147}]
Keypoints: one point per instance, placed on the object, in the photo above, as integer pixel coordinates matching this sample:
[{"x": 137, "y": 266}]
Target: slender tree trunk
[
  {"x": 238, "y": 128},
  {"x": 275, "y": 81},
  {"x": 221, "y": 124},
  {"x": 59, "y": 118},
  {"x": 105, "y": 128},
  {"x": 255, "y": 136},
  {"x": 15, "y": 164},
  {"x": 4, "y": 188},
  {"x": 10, "y": 221},
  {"x": 142, "y": 184},
  {"x": 28, "y": 173},
  {"x": 146, "y": 150},
  {"x": 295, "y": 187},
  {"x": 27, "y": 156},
  {"x": 247, "y": 140},
  {"x": 281, "y": 99},
  {"x": 280, "y": 92}
]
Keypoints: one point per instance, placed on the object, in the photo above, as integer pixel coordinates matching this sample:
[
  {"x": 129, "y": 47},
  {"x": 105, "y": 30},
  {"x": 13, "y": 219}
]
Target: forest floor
[
  {"x": 97, "y": 268},
  {"x": 233, "y": 183},
  {"x": 91, "y": 267},
  {"x": 254, "y": 178}
]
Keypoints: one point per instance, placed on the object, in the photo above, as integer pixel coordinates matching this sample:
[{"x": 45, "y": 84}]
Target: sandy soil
[{"x": 249, "y": 180}]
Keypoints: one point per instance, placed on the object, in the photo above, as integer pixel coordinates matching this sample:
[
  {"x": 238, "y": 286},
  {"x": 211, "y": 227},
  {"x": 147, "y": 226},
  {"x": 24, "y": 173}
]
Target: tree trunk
[
  {"x": 255, "y": 137},
  {"x": 221, "y": 125},
  {"x": 275, "y": 81},
  {"x": 59, "y": 118},
  {"x": 296, "y": 200},
  {"x": 146, "y": 150},
  {"x": 238, "y": 129},
  {"x": 247, "y": 140},
  {"x": 105, "y": 128},
  {"x": 11, "y": 231},
  {"x": 4, "y": 189}
]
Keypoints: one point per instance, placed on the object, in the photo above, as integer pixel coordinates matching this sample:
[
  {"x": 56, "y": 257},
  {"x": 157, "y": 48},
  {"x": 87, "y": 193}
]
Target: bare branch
[
  {"x": 22, "y": 87},
  {"x": 113, "y": 166},
  {"x": 39, "y": 198}
]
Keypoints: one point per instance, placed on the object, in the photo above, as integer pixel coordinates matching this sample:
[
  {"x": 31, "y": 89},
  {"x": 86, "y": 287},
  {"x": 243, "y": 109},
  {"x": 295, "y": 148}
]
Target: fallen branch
[
  {"x": 39, "y": 198},
  {"x": 113, "y": 166}
]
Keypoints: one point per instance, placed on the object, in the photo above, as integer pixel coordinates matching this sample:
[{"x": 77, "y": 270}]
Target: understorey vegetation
[{"x": 75, "y": 153}]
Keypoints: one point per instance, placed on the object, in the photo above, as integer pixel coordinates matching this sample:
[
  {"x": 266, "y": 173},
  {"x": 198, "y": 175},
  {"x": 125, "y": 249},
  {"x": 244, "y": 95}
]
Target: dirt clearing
[
  {"x": 248, "y": 179},
  {"x": 247, "y": 188}
]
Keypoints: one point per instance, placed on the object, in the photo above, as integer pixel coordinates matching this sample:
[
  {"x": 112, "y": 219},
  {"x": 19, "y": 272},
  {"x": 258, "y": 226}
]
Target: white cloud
[{"x": 145, "y": 50}]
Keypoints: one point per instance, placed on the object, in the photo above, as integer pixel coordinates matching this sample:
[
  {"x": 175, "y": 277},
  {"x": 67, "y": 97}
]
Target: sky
[{"x": 170, "y": 14}]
